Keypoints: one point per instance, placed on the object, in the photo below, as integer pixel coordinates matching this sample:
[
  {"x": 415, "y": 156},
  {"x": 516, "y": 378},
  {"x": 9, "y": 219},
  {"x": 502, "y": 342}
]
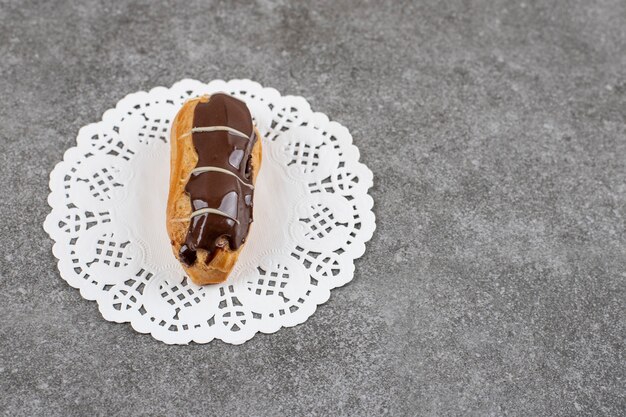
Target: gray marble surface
[{"x": 496, "y": 281}]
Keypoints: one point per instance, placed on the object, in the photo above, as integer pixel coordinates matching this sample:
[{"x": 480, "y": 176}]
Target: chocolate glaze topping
[{"x": 230, "y": 194}]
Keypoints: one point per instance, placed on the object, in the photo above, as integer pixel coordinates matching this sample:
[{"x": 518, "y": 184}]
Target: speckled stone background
[{"x": 496, "y": 281}]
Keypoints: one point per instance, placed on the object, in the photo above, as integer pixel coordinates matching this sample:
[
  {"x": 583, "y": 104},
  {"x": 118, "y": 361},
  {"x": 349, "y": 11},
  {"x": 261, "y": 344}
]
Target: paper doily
[{"x": 312, "y": 218}]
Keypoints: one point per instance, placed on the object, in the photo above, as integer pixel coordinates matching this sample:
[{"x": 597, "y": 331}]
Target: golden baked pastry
[{"x": 215, "y": 159}]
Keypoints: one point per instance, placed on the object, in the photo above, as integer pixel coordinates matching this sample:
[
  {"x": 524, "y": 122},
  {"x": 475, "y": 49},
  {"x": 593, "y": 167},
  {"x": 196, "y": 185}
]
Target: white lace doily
[{"x": 312, "y": 218}]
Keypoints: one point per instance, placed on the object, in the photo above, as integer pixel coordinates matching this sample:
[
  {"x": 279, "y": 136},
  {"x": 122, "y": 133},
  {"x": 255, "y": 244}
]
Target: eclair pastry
[{"x": 215, "y": 159}]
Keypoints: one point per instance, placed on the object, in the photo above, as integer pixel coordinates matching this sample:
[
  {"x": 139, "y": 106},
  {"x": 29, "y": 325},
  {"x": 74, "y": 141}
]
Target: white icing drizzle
[
  {"x": 217, "y": 129},
  {"x": 200, "y": 170},
  {"x": 211, "y": 211}
]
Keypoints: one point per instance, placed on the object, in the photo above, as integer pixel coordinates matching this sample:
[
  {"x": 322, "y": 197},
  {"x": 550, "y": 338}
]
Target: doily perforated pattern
[{"x": 312, "y": 218}]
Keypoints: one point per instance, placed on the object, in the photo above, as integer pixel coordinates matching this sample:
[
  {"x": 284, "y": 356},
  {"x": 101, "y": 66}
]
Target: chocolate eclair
[{"x": 215, "y": 159}]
